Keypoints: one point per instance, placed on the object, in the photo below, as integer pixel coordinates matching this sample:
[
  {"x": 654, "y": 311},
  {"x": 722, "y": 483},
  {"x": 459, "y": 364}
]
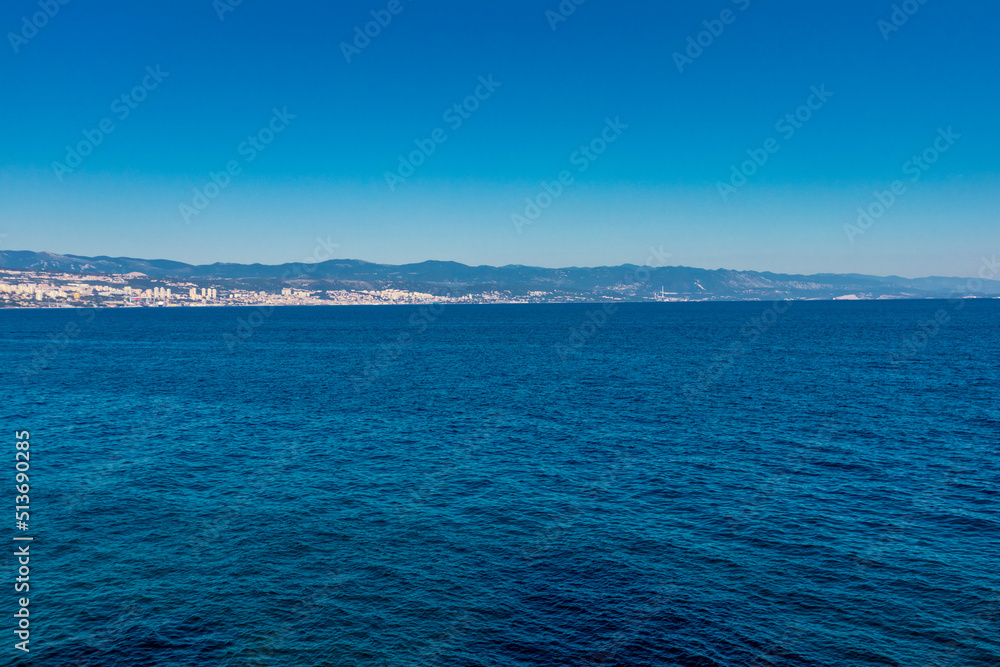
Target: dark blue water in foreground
[{"x": 686, "y": 484}]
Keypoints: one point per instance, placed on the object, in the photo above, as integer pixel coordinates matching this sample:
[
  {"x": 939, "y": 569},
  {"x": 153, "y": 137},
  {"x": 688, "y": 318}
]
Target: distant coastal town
[
  {"x": 46, "y": 280},
  {"x": 43, "y": 289}
]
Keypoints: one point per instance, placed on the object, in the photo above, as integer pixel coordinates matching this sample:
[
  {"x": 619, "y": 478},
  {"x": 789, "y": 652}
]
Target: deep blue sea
[{"x": 692, "y": 484}]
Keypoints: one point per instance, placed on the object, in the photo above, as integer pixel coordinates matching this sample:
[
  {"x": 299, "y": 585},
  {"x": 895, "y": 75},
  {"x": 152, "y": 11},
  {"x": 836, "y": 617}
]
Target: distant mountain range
[{"x": 436, "y": 277}]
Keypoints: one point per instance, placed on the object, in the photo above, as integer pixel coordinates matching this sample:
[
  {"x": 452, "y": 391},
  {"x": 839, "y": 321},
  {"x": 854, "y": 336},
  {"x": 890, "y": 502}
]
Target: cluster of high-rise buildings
[
  {"x": 34, "y": 289},
  {"x": 155, "y": 293},
  {"x": 39, "y": 289},
  {"x": 44, "y": 289},
  {"x": 206, "y": 294}
]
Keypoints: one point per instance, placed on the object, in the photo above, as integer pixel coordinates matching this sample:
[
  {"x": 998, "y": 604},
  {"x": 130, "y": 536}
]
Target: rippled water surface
[{"x": 667, "y": 484}]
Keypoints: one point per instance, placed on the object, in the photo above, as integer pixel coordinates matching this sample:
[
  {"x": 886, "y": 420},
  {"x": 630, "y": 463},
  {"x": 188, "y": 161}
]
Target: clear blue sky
[{"x": 656, "y": 184}]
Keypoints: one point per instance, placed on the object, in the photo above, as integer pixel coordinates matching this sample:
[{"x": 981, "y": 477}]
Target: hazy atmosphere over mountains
[{"x": 438, "y": 277}]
